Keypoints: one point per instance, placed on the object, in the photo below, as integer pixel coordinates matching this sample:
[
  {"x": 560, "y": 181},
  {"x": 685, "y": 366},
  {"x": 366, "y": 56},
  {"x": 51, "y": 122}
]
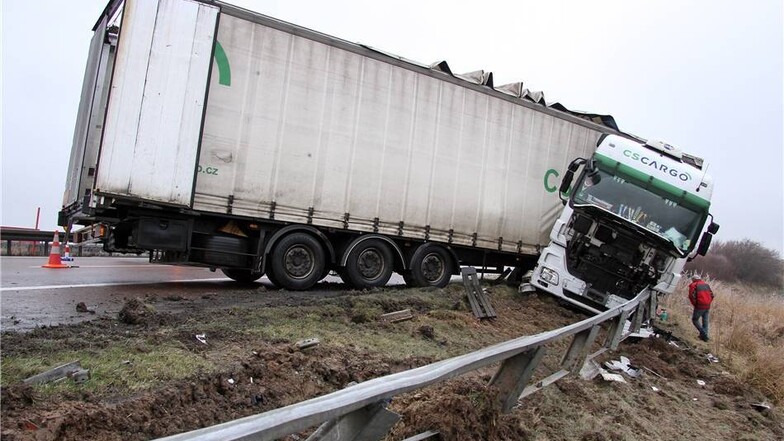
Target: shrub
[
  {"x": 715, "y": 266},
  {"x": 741, "y": 260}
]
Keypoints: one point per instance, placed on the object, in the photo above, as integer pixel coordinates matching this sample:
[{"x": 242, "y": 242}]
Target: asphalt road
[{"x": 31, "y": 296}]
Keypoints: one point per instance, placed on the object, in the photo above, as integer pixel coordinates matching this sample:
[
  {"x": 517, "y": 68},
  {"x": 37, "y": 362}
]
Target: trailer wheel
[
  {"x": 241, "y": 275},
  {"x": 297, "y": 262},
  {"x": 431, "y": 265},
  {"x": 369, "y": 265},
  {"x": 273, "y": 279}
]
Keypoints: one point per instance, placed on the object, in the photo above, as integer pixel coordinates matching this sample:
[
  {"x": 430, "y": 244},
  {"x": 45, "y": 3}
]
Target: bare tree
[{"x": 741, "y": 260}]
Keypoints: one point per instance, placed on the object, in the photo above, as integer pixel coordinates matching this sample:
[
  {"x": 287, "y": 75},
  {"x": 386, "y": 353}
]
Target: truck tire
[
  {"x": 241, "y": 275},
  {"x": 219, "y": 250},
  {"x": 431, "y": 265},
  {"x": 369, "y": 265},
  {"x": 297, "y": 262}
]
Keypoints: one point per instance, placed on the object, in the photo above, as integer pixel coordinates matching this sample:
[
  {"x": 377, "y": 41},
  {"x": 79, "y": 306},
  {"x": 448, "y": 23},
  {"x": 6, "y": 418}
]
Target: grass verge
[{"x": 747, "y": 332}]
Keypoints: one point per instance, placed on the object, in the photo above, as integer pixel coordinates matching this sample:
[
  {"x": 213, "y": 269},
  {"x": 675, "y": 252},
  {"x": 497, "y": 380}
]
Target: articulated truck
[{"x": 209, "y": 135}]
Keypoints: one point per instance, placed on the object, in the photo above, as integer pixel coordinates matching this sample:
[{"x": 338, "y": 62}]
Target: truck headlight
[{"x": 549, "y": 276}]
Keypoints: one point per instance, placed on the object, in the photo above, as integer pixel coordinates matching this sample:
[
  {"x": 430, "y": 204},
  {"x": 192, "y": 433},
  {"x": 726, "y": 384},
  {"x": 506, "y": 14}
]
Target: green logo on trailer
[
  {"x": 547, "y": 186},
  {"x": 224, "y": 70}
]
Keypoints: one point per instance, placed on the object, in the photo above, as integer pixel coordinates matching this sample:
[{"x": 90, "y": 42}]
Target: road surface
[{"x": 31, "y": 296}]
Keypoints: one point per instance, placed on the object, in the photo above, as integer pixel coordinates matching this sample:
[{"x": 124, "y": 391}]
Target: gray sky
[{"x": 703, "y": 75}]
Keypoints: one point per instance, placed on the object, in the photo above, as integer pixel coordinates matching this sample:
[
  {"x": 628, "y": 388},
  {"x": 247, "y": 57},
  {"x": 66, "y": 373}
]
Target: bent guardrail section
[{"x": 358, "y": 412}]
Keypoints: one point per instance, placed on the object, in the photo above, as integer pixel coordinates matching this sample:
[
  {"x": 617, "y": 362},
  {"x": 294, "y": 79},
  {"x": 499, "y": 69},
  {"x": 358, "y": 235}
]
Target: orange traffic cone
[{"x": 54, "y": 254}]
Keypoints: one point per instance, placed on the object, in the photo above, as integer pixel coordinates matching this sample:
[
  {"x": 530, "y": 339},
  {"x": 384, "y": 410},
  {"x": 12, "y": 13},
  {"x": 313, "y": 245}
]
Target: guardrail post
[
  {"x": 639, "y": 316},
  {"x": 370, "y": 423},
  {"x": 653, "y": 304},
  {"x": 615, "y": 333},
  {"x": 578, "y": 350},
  {"x": 514, "y": 374}
]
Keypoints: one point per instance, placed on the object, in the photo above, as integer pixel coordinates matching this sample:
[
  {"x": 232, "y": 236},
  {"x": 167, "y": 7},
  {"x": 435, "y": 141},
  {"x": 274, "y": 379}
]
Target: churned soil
[{"x": 256, "y": 373}]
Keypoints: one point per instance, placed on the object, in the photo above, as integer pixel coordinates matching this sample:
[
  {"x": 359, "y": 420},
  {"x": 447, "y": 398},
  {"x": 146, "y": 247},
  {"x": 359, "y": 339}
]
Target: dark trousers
[{"x": 704, "y": 316}]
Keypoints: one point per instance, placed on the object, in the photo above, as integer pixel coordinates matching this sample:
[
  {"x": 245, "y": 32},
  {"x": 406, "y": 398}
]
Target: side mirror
[
  {"x": 566, "y": 182},
  {"x": 713, "y": 228},
  {"x": 702, "y": 249}
]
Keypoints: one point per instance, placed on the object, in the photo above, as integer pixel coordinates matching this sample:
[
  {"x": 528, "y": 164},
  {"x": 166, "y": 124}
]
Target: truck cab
[{"x": 631, "y": 220}]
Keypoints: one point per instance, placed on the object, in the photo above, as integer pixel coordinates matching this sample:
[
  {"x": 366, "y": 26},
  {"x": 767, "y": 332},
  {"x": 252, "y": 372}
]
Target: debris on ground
[
  {"x": 55, "y": 373},
  {"x": 612, "y": 377},
  {"x": 202, "y": 338},
  {"x": 590, "y": 370},
  {"x": 761, "y": 406},
  {"x": 82, "y": 307},
  {"x": 624, "y": 366},
  {"x": 306, "y": 344},
  {"x": 136, "y": 312},
  {"x": 80, "y": 376},
  {"x": 397, "y": 316},
  {"x": 477, "y": 296},
  {"x": 653, "y": 372}
]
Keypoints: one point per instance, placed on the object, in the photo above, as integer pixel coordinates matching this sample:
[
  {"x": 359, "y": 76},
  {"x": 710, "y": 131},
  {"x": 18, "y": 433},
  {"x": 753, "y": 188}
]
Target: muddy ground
[{"x": 249, "y": 366}]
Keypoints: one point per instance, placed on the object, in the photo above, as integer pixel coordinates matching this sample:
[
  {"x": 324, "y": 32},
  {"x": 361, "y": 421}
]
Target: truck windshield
[{"x": 650, "y": 208}]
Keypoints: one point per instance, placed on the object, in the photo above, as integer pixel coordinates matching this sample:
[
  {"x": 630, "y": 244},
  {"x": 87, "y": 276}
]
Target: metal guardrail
[
  {"x": 359, "y": 411},
  {"x": 26, "y": 234}
]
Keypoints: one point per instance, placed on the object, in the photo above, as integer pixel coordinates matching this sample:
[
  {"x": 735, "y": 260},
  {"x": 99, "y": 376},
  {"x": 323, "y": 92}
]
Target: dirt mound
[
  {"x": 17, "y": 396},
  {"x": 461, "y": 409},
  {"x": 136, "y": 312}
]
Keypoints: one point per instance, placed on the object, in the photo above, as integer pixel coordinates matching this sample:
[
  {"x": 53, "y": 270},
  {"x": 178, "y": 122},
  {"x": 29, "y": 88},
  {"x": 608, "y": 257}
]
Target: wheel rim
[
  {"x": 432, "y": 267},
  {"x": 370, "y": 264},
  {"x": 298, "y": 261}
]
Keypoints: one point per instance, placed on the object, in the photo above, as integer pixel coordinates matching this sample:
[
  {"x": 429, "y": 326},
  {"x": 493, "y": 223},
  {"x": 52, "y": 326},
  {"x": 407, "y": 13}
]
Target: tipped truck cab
[{"x": 631, "y": 220}]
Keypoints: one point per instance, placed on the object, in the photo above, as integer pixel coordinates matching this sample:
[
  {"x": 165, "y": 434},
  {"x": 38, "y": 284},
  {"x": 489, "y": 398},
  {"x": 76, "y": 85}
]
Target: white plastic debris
[
  {"x": 590, "y": 370},
  {"x": 672, "y": 343},
  {"x": 202, "y": 338},
  {"x": 612, "y": 377},
  {"x": 712, "y": 358},
  {"x": 623, "y": 366},
  {"x": 761, "y": 406},
  {"x": 230, "y": 380},
  {"x": 644, "y": 332},
  {"x": 701, "y": 383},
  {"x": 655, "y": 389}
]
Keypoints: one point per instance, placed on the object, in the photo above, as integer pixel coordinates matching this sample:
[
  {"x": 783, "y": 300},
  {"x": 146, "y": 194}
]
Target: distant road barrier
[
  {"x": 37, "y": 241},
  {"x": 359, "y": 411},
  {"x": 31, "y": 242}
]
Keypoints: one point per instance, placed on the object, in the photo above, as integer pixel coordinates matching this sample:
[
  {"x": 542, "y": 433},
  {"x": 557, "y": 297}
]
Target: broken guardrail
[{"x": 359, "y": 411}]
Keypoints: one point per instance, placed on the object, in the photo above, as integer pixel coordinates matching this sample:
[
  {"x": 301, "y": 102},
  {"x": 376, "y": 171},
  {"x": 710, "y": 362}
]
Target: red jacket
[{"x": 700, "y": 295}]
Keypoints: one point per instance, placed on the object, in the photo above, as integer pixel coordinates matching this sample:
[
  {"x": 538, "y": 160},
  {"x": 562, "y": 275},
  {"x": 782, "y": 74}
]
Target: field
[
  {"x": 155, "y": 378},
  {"x": 747, "y": 332}
]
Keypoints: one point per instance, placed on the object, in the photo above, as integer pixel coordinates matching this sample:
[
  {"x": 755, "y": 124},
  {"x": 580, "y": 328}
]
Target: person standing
[{"x": 700, "y": 296}]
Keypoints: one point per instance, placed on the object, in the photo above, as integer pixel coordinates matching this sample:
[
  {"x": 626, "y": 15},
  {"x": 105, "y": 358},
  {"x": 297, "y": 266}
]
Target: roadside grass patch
[
  {"x": 119, "y": 367},
  {"x": 746, "y": 329},
  {"x": 128, "y": 358}
]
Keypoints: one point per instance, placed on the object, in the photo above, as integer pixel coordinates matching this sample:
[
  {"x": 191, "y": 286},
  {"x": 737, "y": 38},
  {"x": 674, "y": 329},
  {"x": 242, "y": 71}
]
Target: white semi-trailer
[{"x": 213, "y": 136}]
